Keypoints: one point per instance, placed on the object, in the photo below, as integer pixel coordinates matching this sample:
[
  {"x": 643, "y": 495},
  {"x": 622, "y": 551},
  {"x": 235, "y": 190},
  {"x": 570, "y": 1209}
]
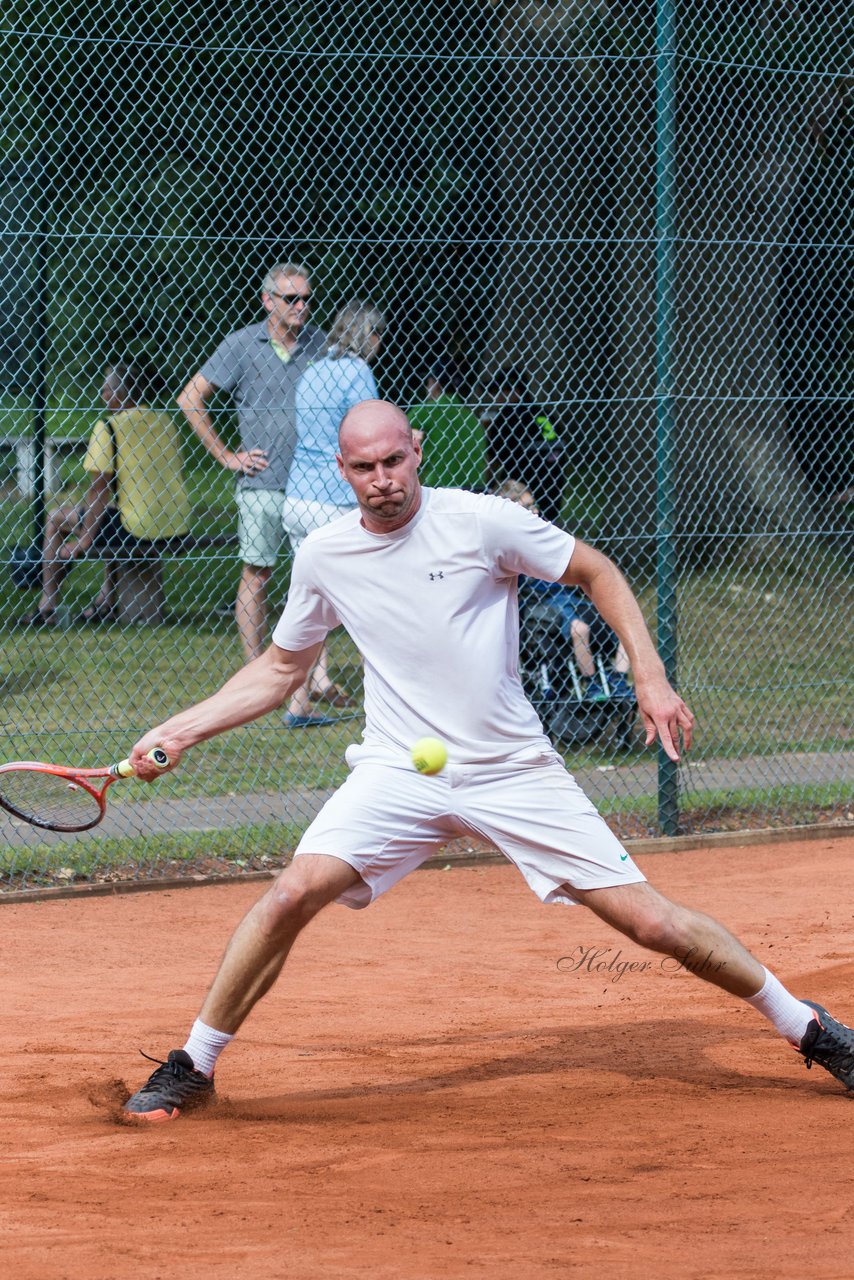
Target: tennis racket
[{"x": 61, "y": 799}]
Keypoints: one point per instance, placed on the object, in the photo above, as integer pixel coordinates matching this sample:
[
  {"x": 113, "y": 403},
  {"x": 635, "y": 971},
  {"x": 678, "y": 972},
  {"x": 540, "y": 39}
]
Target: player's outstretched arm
[
  {"x": 261, "y": 686},
  {"x": 664, "y": 713}
]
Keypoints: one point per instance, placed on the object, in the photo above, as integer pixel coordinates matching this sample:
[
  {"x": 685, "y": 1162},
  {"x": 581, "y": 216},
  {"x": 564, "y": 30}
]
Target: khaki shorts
[
  {"x": 259, "y": 526},
  {"x": 387, "y": 819},
  {"x": 299, "y": 517}
]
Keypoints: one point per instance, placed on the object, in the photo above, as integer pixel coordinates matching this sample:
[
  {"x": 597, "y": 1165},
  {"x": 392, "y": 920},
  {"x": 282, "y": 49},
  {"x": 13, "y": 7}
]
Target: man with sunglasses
[{"x": 259, "y": 367}]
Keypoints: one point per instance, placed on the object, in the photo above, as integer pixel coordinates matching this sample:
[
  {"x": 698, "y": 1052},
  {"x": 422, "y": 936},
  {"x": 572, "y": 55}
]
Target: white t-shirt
[{"x": 433, "y": 609}]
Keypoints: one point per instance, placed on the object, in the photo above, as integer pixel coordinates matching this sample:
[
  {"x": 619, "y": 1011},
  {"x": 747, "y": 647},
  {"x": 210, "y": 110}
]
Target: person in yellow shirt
[{"x": 136, "y": 501}]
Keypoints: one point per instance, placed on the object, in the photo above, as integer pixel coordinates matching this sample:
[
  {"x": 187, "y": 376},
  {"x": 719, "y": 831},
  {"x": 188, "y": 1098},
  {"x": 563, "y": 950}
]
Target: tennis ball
[{"x": 429, "y": 755}]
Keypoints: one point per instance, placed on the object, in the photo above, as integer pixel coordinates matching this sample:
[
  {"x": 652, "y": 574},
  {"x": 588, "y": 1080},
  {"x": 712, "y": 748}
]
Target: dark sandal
[
  {"x": 331, "y": 696},
  {"x": 39, "y": 618},
  {"x": 95, "y": 614}
]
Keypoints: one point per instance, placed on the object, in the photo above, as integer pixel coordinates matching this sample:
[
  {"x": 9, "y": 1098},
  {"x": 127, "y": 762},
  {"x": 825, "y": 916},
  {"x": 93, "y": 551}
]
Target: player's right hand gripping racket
[{"x": 61, "y": 799}]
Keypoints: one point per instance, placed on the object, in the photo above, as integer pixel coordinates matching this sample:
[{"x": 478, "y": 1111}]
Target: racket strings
[{"x": 48, "y": 800}]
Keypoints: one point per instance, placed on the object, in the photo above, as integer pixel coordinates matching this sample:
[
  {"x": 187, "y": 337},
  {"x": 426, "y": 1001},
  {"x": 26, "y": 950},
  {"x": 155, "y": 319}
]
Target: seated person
[
  {"x": 453, "y": 440},
  {"x": 135, "y": 502},
  {"x": 581, "y": 624}
]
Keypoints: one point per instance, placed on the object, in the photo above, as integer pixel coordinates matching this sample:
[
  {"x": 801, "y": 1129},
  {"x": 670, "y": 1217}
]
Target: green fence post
[{"x": 665, "y": 176}]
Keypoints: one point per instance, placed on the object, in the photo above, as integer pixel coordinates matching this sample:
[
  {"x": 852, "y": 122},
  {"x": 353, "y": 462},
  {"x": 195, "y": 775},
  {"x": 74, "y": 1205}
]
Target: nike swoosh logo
[{"x": 623, "y": 857}]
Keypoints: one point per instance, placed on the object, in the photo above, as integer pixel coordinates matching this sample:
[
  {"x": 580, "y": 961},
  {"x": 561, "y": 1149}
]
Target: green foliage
[{"x": 157, "y": 227}]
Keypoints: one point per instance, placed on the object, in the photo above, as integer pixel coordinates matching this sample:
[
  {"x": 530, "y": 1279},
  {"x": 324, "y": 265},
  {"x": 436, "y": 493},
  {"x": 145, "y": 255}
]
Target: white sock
[
  {"x": 791, "y": 1017},
  {"x": 205, "y": 1045}
]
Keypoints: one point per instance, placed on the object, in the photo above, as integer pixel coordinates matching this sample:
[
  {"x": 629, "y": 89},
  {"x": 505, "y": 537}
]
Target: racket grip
[{"x": 124, "y": 769}]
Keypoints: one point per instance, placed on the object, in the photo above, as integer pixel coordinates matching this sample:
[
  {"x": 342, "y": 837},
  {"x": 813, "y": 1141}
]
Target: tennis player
[{"x": 425, "y": 580}]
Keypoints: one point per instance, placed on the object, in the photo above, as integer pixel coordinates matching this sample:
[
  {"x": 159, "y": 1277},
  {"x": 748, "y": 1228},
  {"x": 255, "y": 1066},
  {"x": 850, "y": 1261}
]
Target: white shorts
[
  {"x": 299, "y": 517},
  {"x": 259, "y": 526},
  {"x": 387, "y": 818}
]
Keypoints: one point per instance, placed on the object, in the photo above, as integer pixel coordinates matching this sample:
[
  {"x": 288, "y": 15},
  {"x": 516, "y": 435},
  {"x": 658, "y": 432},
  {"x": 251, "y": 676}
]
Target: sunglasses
[{"x": 292, "y": 298}]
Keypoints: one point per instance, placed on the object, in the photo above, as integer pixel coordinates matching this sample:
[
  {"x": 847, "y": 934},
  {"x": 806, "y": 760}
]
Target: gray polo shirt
[{"x": 262, "y": 386}]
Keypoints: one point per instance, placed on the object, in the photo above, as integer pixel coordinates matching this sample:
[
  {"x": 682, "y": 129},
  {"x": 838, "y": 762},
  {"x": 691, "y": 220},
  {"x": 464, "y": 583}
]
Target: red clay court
[{"x": 427, "y": 1093}]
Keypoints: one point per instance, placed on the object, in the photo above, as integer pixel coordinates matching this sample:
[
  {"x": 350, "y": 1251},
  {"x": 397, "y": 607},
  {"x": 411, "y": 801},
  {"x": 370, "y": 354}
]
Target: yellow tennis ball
[{"x": 429, "y": 755}]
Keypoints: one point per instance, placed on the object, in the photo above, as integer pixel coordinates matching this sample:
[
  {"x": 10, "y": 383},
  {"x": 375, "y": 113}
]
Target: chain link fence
[{"x": 607, "y": 247}]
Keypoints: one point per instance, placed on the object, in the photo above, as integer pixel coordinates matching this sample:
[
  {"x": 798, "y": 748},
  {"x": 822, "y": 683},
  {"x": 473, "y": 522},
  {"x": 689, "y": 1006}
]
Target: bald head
[
  {"x": 379, "y": 459},
  {"x": 368, "y": 420}
]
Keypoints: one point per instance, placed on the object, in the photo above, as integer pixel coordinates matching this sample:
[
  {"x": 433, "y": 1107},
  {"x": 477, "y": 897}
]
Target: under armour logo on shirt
[{"x": 434, "y": 576}]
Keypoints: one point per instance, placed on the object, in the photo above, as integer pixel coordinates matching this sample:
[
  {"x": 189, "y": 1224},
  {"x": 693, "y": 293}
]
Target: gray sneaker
[
  {"x": 830, "y": 1044},
  {"x": 174, "y": 1087}
]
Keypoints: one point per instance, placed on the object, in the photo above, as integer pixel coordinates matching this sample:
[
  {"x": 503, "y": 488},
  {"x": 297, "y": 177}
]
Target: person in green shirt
[{"x": 453, "y": 440}]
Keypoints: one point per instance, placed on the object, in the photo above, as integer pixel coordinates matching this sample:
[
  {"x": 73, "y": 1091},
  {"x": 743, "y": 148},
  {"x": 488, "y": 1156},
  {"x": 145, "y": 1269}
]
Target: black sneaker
[
  {"x": 830, "y": 1044},
  {"x": 174, "y": 1087}
]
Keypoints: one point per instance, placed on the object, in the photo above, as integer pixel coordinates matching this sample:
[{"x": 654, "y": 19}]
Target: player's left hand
[{"x": 665, "y": 715}]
